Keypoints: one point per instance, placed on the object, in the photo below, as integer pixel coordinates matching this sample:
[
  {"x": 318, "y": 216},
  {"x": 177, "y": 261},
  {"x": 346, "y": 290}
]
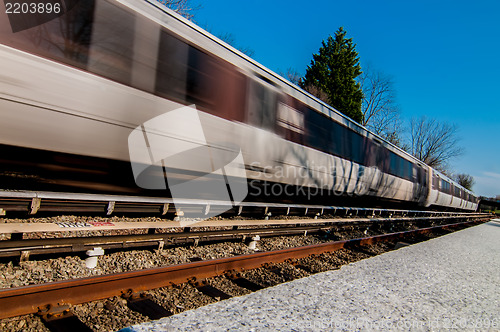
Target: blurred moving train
[{"x": 72, "y": 90}]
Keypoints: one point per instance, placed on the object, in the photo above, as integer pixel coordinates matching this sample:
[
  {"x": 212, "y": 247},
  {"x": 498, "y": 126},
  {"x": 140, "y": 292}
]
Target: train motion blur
[{"x": 73, "y": 88}]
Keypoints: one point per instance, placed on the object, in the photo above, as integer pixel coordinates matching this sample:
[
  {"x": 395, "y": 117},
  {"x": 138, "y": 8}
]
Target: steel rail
[
  {"x": 70, "y": 226},
  {"x": 12, "y": 248},
  {"x": 267, "y": 228},
  {"x": 34, "y": 298}
]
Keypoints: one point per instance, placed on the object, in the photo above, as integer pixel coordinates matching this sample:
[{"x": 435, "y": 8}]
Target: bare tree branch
[
  {"x": 465, "y": 180},
  {"x": 381, "y": 115},
  {"x": 229, "y": 39},
  {"x": 292, "y": 75},
  {"x": 433, "y": 142},
  {"x": 317, "y": 92},
  {"x": 182, "y": 7}
]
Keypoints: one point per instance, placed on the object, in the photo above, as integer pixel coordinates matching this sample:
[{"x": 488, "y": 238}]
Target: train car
[
  {"x": 447, "y": 193},
  {"x": 74, "y": 88}
]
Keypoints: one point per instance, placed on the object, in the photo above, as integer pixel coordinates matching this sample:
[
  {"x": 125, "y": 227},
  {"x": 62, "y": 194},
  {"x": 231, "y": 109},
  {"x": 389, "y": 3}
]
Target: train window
[
  {"x": 318, "y": 131},
  {"x": 409, "y": 170},
  {"x": 435, "y": 182},
  {"x": 186, "y": 74},
  {"x": 382, "y": 158},
  {"x": 328, "y": 136},
  {"x": 315, "y": 136},
  {"x": 92, "y": 35},
  {"x": 214, "y": 85},
  {"x": 369, "y": 152},
  {"x": 393, "y": 164},
  {"x": 262, "y": 106},
  {"x": 400, "y": 167},
  {"x": 337, "y": 140},
  {"x": 112, "y": 48},
  {"x": 421, "y": 176},
  {"x": 445, "y": 187},
  {"x": 357, "y": 147},
  {"x": 200, "y": 80},
  {"x": 403, "y": 169},
  {"x": 290, "y": 118},
  {"x": 171, "y": 69},
  {"x": 66, "y": 38}
]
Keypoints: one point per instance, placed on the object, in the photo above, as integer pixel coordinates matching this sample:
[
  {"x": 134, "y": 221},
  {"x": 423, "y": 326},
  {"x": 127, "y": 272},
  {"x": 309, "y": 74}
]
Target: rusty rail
[{"x": 30, "y": 299}]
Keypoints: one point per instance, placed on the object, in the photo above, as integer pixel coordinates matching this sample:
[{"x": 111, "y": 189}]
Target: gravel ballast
[{"x": 450, "y": 282}]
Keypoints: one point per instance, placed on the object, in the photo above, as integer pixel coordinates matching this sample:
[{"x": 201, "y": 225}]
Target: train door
[
  {"x": 432, "y": 185},
  {"x": 420, "y": 179},
  {"x": 262, "y": 104}
]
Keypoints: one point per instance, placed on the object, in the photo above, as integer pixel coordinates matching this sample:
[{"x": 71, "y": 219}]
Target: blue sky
[{"x": 442, "y": 55}]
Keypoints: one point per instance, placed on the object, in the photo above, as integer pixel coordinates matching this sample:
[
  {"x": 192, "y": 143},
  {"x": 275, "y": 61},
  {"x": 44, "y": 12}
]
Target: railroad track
[
  {"x": 53, "y": 301},
  {"x": 163, "y": 234},
  {"x": 253, "y": 218}
]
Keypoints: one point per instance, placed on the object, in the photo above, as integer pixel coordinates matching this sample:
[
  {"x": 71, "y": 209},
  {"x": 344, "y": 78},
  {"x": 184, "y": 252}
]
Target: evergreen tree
[{"x": 333, "y": 72}]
